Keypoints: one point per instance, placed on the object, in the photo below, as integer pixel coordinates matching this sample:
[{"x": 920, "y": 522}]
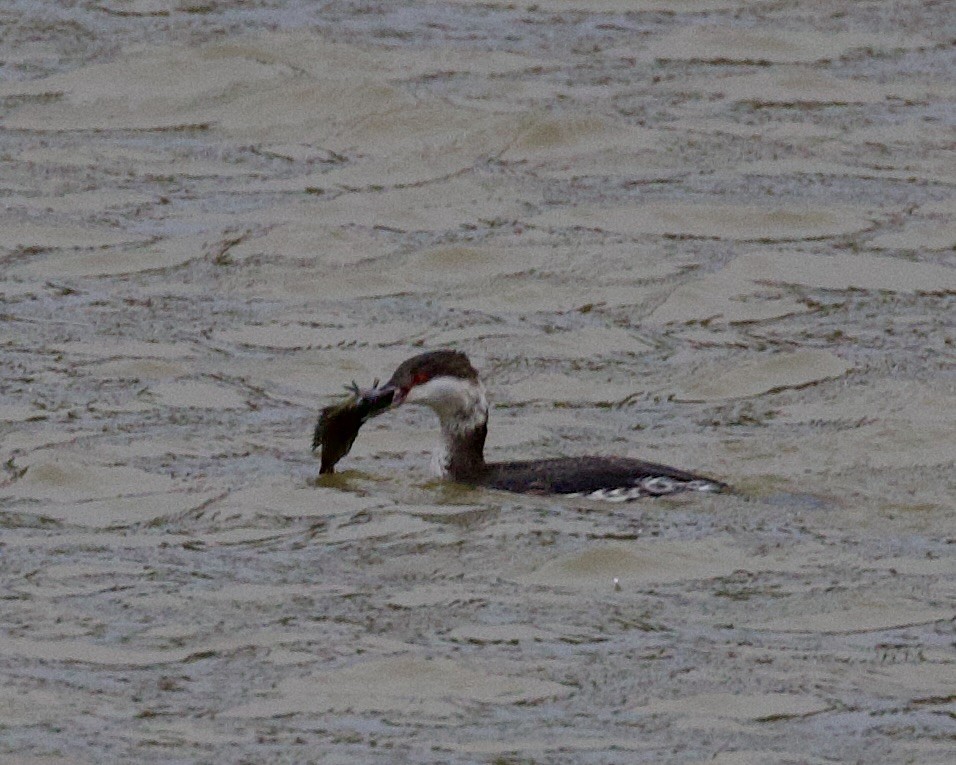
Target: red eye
[{"x": 420, "y": 377}]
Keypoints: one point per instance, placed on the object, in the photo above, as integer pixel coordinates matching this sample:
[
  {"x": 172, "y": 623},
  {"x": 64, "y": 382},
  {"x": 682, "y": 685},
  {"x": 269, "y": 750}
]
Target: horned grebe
[{"x": 446, "y": 382}]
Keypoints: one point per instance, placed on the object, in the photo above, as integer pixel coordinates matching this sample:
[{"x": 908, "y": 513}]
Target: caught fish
[{"x": 339, "y": 424}]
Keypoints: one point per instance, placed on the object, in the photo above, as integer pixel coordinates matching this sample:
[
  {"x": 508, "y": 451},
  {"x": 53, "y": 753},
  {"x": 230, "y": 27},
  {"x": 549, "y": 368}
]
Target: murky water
[{"x": 716, "y": 234}]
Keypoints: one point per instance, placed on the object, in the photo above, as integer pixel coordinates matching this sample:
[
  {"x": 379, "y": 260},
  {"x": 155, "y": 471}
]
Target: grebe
[{"x": 446, "y": 382}]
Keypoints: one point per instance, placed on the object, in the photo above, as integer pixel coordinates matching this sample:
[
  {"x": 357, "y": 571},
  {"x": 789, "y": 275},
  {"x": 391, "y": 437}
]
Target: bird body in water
[{"x": 446, "y": 382}]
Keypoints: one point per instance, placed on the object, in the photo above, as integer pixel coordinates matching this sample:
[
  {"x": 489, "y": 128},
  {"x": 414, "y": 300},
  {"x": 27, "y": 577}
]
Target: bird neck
[{"x": 460, "y": 454}]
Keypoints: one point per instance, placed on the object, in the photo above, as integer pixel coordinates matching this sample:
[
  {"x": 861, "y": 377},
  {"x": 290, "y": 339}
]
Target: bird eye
[{"x": 419, "y": 378}]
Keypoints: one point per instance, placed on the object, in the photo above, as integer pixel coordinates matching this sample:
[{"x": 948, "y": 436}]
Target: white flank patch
[{"x": 654, "y": 486}]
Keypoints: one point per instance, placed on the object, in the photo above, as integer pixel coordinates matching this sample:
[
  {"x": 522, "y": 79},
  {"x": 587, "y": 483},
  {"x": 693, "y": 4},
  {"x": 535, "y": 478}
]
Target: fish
[{"x": 339, "y": 424}]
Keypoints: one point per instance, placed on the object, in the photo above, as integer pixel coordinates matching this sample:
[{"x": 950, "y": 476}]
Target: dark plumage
[
  {"x": 425, "y": 366},
  {"x": 631, "y": 478}
]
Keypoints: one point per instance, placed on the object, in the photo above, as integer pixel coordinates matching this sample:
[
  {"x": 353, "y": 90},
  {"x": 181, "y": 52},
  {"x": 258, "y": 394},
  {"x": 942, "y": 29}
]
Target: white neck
[{"x": 462, "y": 409}]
